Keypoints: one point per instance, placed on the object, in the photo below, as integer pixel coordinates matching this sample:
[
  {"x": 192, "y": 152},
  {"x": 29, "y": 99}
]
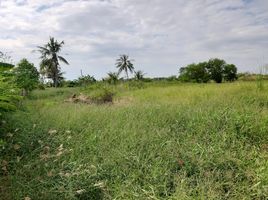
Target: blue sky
[{"x": 160, "y": 35}]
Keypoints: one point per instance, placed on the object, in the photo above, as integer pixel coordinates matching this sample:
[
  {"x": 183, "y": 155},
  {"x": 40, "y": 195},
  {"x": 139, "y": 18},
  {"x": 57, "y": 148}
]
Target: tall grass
[{"x": 177, "y": 141}]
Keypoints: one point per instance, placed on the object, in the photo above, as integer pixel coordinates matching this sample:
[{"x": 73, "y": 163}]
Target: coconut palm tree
[
  {"x": 50, "y": 59},
  {"x": 123, "y": 63},
  {"x": 139, "y": 75}
]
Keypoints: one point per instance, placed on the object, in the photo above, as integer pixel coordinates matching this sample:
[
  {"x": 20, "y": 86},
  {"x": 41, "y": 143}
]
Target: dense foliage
[
  {"x": 5, "y": 66},
  {"x": 26, "y": 76},
  {"x": 215, "y": 69},
  {"x": 8, "y": 92},
  {"x": 8, "y": 96}
]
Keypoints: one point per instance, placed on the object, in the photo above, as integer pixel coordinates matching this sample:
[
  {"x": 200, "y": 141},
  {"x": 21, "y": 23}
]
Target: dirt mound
[{"x": 79, "y": 99}]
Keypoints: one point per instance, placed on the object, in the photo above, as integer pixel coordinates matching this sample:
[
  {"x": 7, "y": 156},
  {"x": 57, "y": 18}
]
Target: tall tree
[
  {"x": 123, "y": 63},
  {"x": 215, "y": 68},
  {"x": 50, "y": 59}
]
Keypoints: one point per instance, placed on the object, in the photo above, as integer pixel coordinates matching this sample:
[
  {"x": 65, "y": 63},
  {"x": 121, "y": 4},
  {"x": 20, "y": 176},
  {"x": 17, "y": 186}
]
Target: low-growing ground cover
[{"x": 156, "y": 141}]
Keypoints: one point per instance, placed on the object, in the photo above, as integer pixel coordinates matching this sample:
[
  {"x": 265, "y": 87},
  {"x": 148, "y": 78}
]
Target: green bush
[
  {"x": 8, "y": 100},
  {"x": 26, "y": 76},
  {"x": 102, "y": 95},
  {"x": 41, "y": 86},
  {"x": 8, "y": 94}
]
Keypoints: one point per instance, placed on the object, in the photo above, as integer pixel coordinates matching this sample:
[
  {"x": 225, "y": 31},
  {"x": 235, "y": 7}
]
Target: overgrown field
[{"x": 158, "y": 141}]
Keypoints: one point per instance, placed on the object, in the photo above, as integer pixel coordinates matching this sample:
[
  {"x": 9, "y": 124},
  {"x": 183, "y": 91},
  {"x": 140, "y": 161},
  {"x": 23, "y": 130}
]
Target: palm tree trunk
[
  {"x": 56, "y": 81},
  {"x": 127, "y": 74}
]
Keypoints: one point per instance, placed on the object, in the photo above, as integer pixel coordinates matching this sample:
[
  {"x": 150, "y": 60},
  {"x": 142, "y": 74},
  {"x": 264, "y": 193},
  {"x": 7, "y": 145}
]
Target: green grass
[{"x": 162, "y": 141}]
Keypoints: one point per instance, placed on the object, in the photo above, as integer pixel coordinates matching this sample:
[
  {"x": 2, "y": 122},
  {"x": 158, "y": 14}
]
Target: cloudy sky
[{"x": 160, "y": 35}]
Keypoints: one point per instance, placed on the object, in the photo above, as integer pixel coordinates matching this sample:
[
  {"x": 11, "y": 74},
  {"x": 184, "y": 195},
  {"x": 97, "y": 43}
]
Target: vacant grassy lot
[{"x": 163, "y": 141}]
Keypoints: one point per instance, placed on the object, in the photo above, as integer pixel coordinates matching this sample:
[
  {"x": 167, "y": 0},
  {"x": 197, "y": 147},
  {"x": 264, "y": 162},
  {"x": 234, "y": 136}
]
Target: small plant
[
  {"x": 259, "y": 81},
  {"x": 260, "y": 77}
]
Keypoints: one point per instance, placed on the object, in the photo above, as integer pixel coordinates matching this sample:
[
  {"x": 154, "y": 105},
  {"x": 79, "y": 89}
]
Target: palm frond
[{"x": 63, "y": 60}]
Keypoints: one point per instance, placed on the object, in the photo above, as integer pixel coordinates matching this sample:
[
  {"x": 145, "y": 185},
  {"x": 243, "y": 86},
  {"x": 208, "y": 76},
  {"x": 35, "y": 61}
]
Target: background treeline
[{"x": 213, "y": 70}]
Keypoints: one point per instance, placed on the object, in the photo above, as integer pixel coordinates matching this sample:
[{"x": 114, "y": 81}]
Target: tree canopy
[
  {"x": 214, "y": 69},
  {"x": 50, "y": 60},
  {"x": 123, "y": 63},
  {"x": 26, "y": 76}
]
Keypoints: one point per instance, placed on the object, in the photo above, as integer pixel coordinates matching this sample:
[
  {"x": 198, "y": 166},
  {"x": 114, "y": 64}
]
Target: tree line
[
  {"x": 27, "y": 77},
  {"x": 214, "y": 69}
]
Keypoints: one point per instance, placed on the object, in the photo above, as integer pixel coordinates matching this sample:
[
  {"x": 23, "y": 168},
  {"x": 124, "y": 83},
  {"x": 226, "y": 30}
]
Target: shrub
[
  {"x": 41, "y": 86},
  {"x": 8, "y": 93},
  {"x": 26, "y": 76},
  {"x": 102, "y": 95},
  {"x": 8, "y": 98}
]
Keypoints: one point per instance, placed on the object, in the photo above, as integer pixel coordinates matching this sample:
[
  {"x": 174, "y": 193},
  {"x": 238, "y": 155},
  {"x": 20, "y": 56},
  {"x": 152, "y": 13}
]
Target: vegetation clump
[
  {"x": 97, "y": 96},
  {"x": 26, "y": 76},
  {"x": 215, "y": 69}
]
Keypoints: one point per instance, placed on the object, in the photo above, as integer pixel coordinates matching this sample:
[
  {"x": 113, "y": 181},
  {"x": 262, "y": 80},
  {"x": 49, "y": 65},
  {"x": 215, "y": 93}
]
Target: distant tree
[
  {"x": 139, "y": 75},
  {"x": 113, "y": 77},
  {"x": 5, "y": 57},
  {"x": 172, "y": 78},
  {"x": 195, "y": 72},
  {"x": 50, "y": 59},
  {"x": 26, "y": 76},
  {"x": 48, "y": 71},
  {"x": 215, "y": 68},
  {"x": 123, "y": 63},
  {"x": 230, "y": 72},
  {"x": 86, "y": 80}
]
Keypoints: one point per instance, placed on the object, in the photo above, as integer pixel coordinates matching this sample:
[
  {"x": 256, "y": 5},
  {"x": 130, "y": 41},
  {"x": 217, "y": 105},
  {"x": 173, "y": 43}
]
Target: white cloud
[{"x": 160, "y": 35}]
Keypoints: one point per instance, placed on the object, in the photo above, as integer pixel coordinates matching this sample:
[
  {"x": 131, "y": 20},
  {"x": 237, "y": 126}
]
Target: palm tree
[
  {"x": 124, "y": 64},
  {"x": 113, "y": 77},
  {"x": 50, "y": 60},
  {"x": 139, "y": 75}
]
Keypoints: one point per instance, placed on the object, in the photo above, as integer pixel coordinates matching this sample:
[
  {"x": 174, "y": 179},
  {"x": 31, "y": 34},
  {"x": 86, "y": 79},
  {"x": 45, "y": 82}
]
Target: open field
[{"x": 158, "y": 141}]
